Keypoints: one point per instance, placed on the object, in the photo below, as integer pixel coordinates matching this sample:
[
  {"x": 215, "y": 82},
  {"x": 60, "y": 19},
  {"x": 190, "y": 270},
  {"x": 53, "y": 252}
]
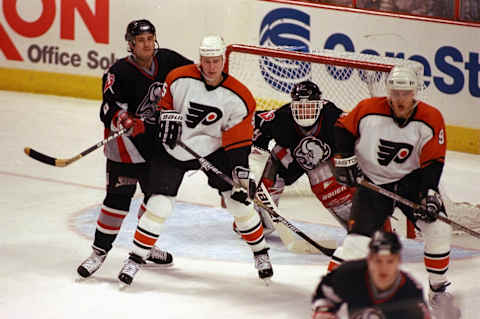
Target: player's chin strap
[
  {"x": 263, "y": 199},
  {"x": 413, "y": 205}
]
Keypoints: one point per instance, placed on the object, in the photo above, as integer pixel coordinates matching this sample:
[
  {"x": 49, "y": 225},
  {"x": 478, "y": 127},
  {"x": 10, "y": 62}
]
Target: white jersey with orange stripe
[
  {"x": 387, "y": 152},
  {"x": 214, "y": 117}
]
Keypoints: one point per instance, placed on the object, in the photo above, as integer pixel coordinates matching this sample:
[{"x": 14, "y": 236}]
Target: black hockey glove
[
  {"x": 346, "y": 169},
  {"x": 170, "y": 127},
  {"x": 432, "y": 206},
  {"x": 244, "y": 185}
]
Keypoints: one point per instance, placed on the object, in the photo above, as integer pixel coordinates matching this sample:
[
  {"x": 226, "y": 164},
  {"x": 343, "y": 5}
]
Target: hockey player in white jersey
[
  {"x": 212, "y": 113},
  {"x": 399, "y": 143}
]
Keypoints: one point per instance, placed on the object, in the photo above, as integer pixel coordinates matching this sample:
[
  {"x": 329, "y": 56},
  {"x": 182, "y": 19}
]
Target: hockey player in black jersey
[
  {"x": 373, "y": 287},
  {"x": 303, "y": 135},
  {"x": 131, "y": 89}
]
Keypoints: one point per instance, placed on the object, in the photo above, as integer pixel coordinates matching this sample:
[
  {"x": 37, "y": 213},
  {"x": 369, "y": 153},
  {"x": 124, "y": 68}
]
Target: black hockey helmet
[
  {"x": 137, "y": 27},
  {"x": 385, "y": 243},
  {"x": 306, "y": 90}
]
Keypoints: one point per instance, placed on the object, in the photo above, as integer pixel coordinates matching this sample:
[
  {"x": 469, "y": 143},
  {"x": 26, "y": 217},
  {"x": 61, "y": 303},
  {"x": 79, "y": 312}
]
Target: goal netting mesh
[{"x": 344, "y": 78}]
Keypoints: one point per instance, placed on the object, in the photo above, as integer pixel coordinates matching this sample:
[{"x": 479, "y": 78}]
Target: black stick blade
[{"x": 40, "y": 157}]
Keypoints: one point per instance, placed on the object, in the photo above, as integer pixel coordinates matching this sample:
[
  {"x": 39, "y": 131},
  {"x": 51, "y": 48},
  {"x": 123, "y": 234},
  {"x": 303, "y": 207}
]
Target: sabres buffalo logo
[
  {"x": 311, "y": 151},
  {"x": 147, "y": 107}
]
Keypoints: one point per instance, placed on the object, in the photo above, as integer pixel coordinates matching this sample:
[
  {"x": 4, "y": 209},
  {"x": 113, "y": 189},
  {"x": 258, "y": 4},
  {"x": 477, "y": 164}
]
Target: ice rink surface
[{"x": 42, "y": 240}]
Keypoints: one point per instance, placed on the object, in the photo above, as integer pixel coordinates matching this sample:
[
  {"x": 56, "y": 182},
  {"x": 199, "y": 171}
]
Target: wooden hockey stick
[
  {"x": 413, "y": 205},
  {"x": 264, "y": 200},
  {"x": 62, "y": 162}
]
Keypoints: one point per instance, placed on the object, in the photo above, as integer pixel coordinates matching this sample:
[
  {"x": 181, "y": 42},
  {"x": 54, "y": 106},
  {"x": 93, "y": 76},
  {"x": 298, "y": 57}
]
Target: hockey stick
[
  {"x": 413, "y": 205},
  {"x": 264, "y": 200},
  {"x": 62, "y": 162}
]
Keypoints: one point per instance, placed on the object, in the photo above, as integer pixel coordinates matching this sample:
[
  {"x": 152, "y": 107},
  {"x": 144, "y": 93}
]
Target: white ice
[{"x": 39, "y": 251}]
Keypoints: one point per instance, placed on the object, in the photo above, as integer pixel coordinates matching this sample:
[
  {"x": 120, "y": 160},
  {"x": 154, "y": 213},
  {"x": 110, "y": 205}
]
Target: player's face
[
  {"x": 212, "y": 67},
  {"x": 402, "y": 102},
  {"x": 144, "y": 46},
  {"x": 383, "y": 269}
]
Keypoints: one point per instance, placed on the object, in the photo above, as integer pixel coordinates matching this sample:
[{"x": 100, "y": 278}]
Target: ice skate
[
  {"x": 129, "y": 270},
  {"x": 158, "y": 258},
  {"x": 263, "y": 264},
  {"x": 442, "y": 302},
  {"x": 92, "y": 263}
]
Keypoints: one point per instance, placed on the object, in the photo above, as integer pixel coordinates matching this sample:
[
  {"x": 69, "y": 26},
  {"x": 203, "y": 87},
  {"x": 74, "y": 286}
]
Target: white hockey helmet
[
  {"x": 212, "y": 45},
  {"x": 402, "y": 77}
]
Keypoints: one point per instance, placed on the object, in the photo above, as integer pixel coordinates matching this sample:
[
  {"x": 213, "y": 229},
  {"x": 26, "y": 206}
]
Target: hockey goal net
[{"x": 344, "y": 78}]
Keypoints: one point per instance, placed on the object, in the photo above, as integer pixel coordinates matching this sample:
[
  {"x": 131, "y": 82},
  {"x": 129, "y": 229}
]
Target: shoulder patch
[
  {"x": 109, "y": 82},
  {"x": 267, "y": 116}
]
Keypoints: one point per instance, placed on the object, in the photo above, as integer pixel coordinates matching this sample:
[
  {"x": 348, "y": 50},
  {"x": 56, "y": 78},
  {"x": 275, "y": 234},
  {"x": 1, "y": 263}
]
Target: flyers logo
[
  {"x": 267, "y": 116},
  {"x": 204, "y": 114},
  {"x": 109, "y": 82},
  {"x": 388, "y": 151}
]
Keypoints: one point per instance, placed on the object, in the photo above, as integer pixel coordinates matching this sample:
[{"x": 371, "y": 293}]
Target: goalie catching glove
[
  {"x": 134, "y": 125},
  {"x": 170, "y": 127},
  {"x": 432, "y": 206},
  {"x": 347, "y": 170},
  {"x": 244, "y": 185}
]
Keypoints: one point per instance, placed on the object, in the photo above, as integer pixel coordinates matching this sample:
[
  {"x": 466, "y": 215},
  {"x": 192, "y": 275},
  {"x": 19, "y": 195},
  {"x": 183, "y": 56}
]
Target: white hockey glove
[
  {"x": 244, "y": 185},
  {"x": 432, "y": 206},
  {"x": 346, "y": 169},
  {"x": 170, "y": 127}
]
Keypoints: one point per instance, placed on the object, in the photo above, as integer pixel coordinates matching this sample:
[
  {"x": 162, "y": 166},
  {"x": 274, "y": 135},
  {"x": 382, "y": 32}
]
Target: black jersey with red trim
[
  {"x": 387, "y": 151},
  {"x": 350, "y": 283},
  {"x": 127, "y": 86},
  {"x": 308, "y": 147}
]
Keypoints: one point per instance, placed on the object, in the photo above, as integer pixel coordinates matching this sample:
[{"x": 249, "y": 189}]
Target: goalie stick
[
  {"x": 62, "y": 162},
  {"x": 264, "y": 200},
  {"x": 413, "y": 205}
]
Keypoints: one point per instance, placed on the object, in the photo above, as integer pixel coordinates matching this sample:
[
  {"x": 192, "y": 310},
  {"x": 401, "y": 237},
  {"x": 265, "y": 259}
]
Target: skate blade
[
  {"x": 267, "y": 281},
  {"x": 122, "y": 286},
  {"x": 152, "y": 265}
]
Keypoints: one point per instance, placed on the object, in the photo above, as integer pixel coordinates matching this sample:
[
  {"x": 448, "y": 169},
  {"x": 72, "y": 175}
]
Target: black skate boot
[
  {"x": 130, "y": 268},
  {"x": 92, "y": 263},
  {"x": 442, "y": 302},
  {"x": 159, "y": 258},
  {"x": 263, "y": 264}
]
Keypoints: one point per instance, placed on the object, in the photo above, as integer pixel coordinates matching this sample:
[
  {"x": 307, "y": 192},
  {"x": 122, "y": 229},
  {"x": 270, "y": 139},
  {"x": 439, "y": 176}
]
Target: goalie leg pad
[
  {"x": 335, "y": 197},
  {"x": 150, "y": 225},
  {"x": 437, "y": 238}
]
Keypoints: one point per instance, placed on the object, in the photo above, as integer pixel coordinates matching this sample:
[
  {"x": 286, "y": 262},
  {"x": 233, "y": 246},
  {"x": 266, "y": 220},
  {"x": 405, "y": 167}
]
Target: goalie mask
[{"x": 306, "y": 103}]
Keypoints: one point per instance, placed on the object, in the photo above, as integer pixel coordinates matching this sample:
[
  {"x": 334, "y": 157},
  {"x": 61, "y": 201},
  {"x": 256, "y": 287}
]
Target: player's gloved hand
[
  {"x": 432, "y": 206},
  {"x": 170, "y": 127},
  {"x": 244, "y": 185},
  {"x": 134, "y": 125},
  {"x": 346, "y": 169}
]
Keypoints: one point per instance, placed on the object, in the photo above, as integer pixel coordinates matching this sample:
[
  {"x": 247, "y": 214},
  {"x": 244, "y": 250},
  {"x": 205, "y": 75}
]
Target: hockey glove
[
  {"x": 346, "y": 169},
  {"x": 134, "y": 125},
  {"x": 244, "y": 185},
  {"x": 432, "y": 206},
  {"x": 170, "y": 127}
]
